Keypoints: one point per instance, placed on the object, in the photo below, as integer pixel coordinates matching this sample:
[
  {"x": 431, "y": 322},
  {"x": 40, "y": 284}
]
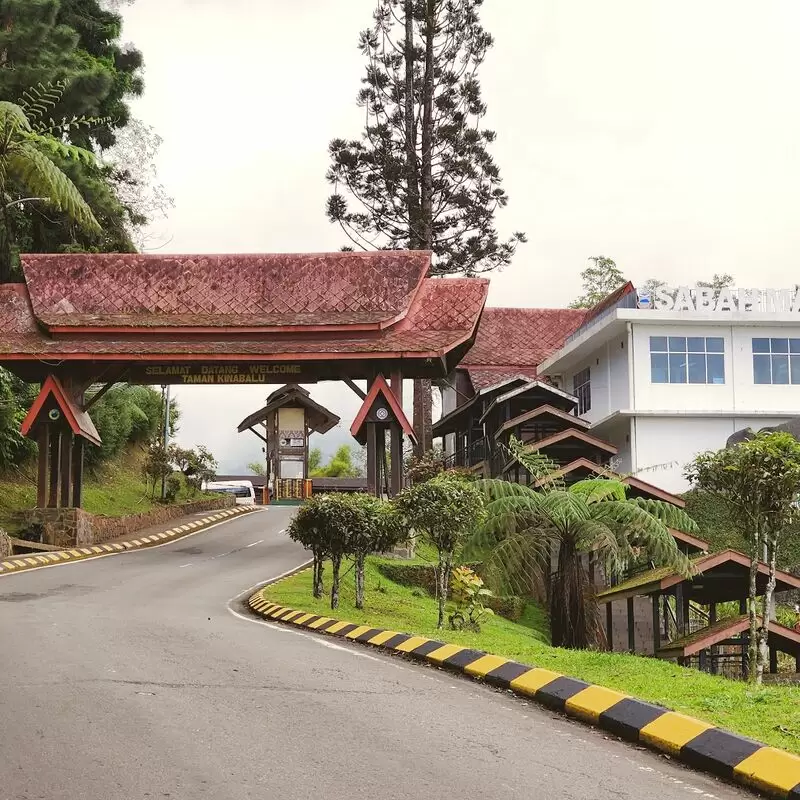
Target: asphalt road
[{"x": 128, "y": 677}]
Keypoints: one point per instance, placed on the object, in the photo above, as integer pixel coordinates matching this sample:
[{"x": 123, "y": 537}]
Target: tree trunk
[
  {"x": 766, "y": 610},
  {"x": 336, "y": 563},
  {"x": 412, "y": 167},
  {"x": 5, "y": 241},
  {"x": 319, "y": 566},
  {"x": 427, "y": 127},
  {"x": 360, "y": 580},
  {"x": 752, "y": 644},
  {"x": 574, "y": 615},
  {"x": 443, "y": 576},
  {"x": 423, "y": 415}
]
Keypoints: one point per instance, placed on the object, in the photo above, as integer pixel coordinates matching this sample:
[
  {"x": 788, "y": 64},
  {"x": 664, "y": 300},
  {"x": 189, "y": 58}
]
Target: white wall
[
  {"x": 608, "y": 365},
  {"x": 664, "y": 445},
  {"x": 738, "y": 393},
  {"x": 618, "y": 434}
]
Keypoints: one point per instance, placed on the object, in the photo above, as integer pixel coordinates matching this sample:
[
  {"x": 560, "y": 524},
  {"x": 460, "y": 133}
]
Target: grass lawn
[
  {"x": 770, "y": 714},
  {"x": 116, "y": 491}
]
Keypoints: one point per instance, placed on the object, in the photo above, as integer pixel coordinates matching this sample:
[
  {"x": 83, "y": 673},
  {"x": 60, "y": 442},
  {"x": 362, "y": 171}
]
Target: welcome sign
[{"x": 708, "y": 300}]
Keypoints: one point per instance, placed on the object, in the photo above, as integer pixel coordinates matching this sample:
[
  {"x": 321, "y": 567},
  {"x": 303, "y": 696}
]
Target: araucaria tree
[
  {"x": 445, "y": 511},
  {"x": 421, "y": 176},
  {"x": 759, "y": 481}
]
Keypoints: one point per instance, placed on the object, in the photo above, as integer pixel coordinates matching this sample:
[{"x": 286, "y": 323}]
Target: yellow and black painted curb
[
  {"x": 692, "y": 741},
  {"x": 20, "y": 563}
]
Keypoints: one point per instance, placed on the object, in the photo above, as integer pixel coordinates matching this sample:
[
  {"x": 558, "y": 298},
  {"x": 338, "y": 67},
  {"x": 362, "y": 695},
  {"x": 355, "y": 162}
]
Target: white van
[{"x": 242, "y": 490}]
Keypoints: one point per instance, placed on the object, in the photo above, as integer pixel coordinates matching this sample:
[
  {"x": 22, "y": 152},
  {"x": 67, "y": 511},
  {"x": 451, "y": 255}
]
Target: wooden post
[
  {"x": 55, "y": 461},
  {"x": 712, "y": 618},
  {"x": 610, "y": 626},
  {"x": 44, "y": 455},
  {"x": 77, "y": 472},
  {"x": 631, "y": 627},
  {"x": 656, "y": 598},
  {"x": 373, "y": 482},
  {"x": 680, "y": 611},
  {"x": 773, "y": 660},
  {"x": 66, "y": 468},
  {"x": 396, "y": 459}
]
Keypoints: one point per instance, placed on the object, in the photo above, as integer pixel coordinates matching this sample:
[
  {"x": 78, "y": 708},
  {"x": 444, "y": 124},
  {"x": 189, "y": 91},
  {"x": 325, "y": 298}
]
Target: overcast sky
[{"x": 661, "y": 134}]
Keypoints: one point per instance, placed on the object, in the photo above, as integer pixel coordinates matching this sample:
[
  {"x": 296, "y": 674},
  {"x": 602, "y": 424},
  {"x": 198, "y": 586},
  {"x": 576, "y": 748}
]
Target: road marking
[
  {"x": 142, "y": 550},
  {"x": 184, "y": 565},
  {"x": 254, "y": 543}
]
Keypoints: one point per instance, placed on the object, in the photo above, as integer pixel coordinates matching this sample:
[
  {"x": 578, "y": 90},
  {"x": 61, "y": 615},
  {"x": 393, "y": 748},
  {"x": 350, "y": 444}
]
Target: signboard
[
  {"x": 708, "y": 300},
  {"x": 217, "y": 373}
]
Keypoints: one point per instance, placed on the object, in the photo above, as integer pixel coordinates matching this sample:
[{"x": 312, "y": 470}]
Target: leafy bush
[
  {"x": 444, "y": 510},
  {"x": 16, "y": 398},
  {"x": 469, "y": 594}
]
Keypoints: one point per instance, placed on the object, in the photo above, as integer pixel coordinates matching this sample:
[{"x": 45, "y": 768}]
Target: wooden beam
[
  {"x": 396, "y": 464},
  {"x": 631, "y": 627},
  {"x": 656, "y": 599},
  {"x": 66, "y": 468},
  {"x": 263, "y": 438},
  {"x": 77, "y": 472},
  {"x": 98, "y": 395},
  {"x": 44, "y": 456},
  {"x": 349, "y": 382},
  {"x": 55, "y": 462}
]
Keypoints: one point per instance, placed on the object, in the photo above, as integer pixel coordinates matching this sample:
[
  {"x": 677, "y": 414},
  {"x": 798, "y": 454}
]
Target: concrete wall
[
  {"x": 74, "y": 527},
  {"x": 664, "y": 445}
]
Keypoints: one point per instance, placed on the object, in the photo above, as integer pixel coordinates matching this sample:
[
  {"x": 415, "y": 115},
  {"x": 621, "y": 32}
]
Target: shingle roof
[
  {"x": 123, "y": 289},
  {"x": 426, "y": 319},
  {"x": 511, "y": 341}
]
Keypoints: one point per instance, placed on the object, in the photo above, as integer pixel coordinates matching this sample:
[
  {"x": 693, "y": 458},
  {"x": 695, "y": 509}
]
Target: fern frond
[
  {"x": 38, "y": 100},
  {"x": 43, "y": 178},
  {"x": 596, "y": 490},
  {"x": 58, "y": 148},
  {"x": 670, "y": 515},
  {"x": 542, "y": 468}
]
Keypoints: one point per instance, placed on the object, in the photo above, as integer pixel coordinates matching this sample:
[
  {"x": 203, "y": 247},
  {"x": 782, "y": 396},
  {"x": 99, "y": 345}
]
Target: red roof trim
[
  {"x": 379, "y": 386},
  {"x": 608, "y": 301},
  {"x": 52, "y": 386},
  {"x": 170, "y": 330}
]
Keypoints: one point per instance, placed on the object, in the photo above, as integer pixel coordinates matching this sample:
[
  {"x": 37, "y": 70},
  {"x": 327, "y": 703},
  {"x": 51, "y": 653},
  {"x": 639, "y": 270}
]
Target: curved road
[{"x": 128, "y": 677}]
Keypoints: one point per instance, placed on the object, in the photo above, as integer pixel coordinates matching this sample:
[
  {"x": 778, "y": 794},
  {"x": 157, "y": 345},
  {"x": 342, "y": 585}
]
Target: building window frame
[
  {"x": 582, "y": 390},
  {"x": 776, "y": 360},
  {"x": 687, "y": 360}
]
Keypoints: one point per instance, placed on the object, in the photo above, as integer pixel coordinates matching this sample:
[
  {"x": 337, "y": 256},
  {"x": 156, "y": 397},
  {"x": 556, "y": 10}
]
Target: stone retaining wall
[{"x": 74, "y": 527}]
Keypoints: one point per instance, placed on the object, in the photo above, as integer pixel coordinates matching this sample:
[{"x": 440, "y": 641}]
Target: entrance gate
[{"x": 80, "y": 320}]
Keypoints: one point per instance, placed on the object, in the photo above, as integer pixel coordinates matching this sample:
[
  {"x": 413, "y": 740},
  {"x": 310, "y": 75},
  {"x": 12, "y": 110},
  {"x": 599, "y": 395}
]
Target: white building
[{"x": 667, "y": 381}]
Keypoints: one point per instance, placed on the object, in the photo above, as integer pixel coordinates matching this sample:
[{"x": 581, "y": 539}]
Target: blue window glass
[
  {"x": 780, "y": 368},
  {"x": 761, "y": 368},
  {"x": 659, "y": 368},
  {"x": 677, "y": 367},
  {"x": 772, "y": 363},
  {"x": 696, "y": 344},
  {"x": 779, "y": 345},
  {"x": 761, "y": 345},
  {"x": 794, "y": 368},
  {"x": 697, "y": 367},
  {"x": 687, "y": 359},
  {"x": 716, "y": 368},
  {"x": 677, "y": 344}
]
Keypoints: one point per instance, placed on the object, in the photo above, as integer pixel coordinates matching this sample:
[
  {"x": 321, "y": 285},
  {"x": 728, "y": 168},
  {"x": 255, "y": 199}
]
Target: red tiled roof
[
  {"x": 511, "y": 341},
  {"x": 79, "y": 421},
  {"x": 443, "y": 316},
  {"x": 121, "y": 289}
]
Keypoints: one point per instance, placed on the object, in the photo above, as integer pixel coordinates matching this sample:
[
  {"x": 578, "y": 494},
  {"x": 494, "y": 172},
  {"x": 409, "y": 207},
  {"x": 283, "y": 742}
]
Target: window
[
  {"x": 687, "y": 359},
  {"x": 581, "y": 388},
  {"x": 776, "y": 361}
]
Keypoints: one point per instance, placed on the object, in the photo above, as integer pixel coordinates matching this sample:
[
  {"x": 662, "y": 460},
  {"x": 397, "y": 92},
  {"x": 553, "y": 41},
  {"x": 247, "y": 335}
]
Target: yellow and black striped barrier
[
  {"x": 696, "y": 743},
  {"x": 20, "y": 563}
]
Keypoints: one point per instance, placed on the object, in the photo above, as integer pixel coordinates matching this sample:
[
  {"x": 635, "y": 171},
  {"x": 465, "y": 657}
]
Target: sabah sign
[
  {"x": 708, "y": 300},
  {"x": 217, "y": 373}
]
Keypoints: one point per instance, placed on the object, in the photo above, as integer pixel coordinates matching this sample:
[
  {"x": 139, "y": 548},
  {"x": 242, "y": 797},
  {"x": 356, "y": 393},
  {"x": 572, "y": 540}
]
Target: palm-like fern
[
  {"x": 526, "y": 526},
  {"x": 27, "y": 167}
]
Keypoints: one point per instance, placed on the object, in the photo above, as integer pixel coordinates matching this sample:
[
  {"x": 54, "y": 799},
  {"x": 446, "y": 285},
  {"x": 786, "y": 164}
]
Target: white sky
[{"x": 661, "y": 134}]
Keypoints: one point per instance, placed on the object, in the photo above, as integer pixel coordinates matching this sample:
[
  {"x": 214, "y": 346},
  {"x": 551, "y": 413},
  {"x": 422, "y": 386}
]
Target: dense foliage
[
  {"x": 343, "y": 464},
  {"x": 758, "y": 480},
  {"x": 444, "y": 511}
]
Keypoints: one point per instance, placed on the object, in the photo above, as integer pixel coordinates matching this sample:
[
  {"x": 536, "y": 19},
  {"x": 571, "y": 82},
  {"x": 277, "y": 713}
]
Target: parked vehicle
[{"x": 242, "y": 490}]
